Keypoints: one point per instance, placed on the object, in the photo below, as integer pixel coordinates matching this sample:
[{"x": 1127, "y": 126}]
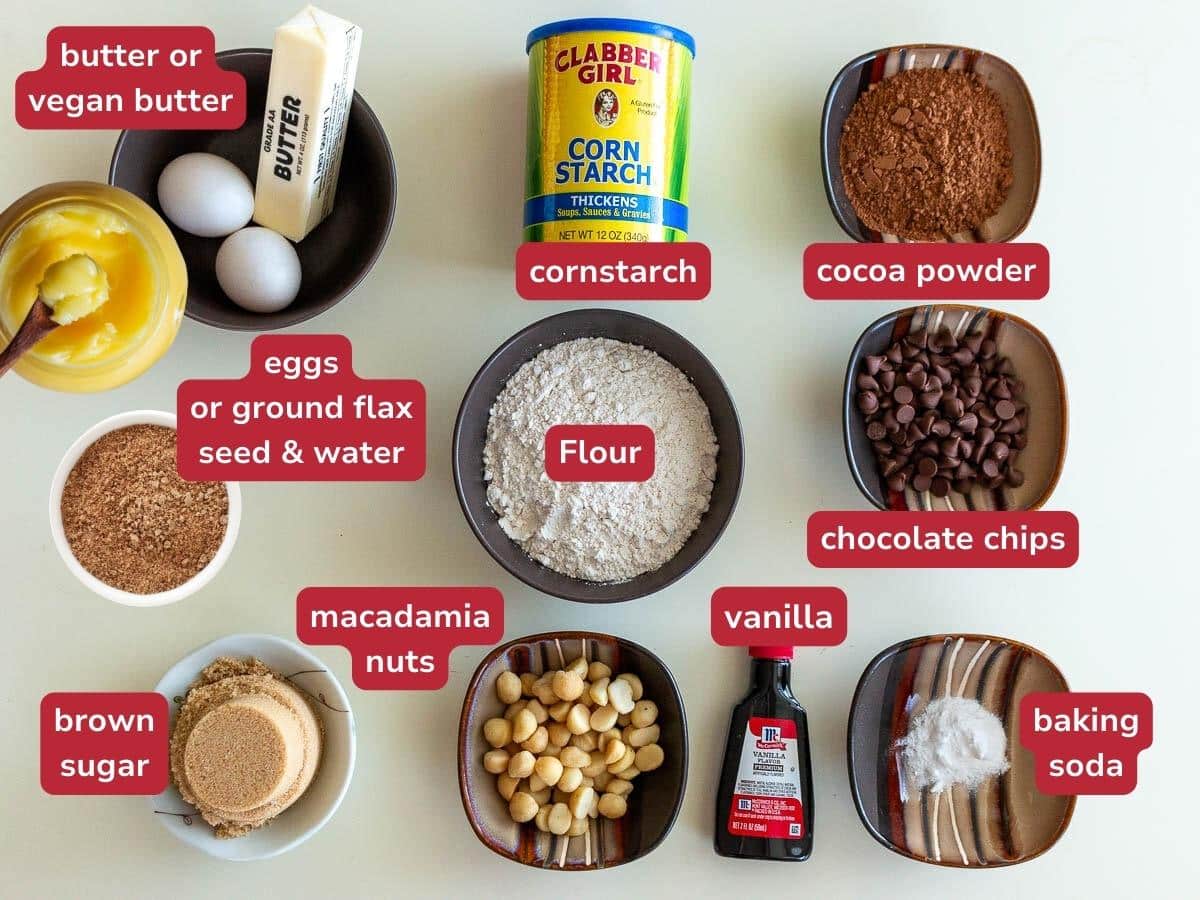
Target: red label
[
  {"x": 926, "y": 271},
  {"x": 130, "y": 77},
  {"x": 1086, "y": 743},
  {"x": 400, "y": 638},
  {"x": 778, "y": 616},
  {"x": 1031, "y": 539},
  {"x": 569, "y": 270},
  {"x": 301, "y": 415},
  {"x": 600, "y": 452},
  {"x": 105, "y": 743},
  {"x": 767, "y": 799}
]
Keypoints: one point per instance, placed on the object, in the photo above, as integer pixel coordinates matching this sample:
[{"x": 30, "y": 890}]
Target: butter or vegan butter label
[
  {"x": 104, "y": 743},
  {"x": 600, "y": 452},
  {"x": 313, "y": 67},
  {"x": 130, "y": 76},
  {"x": 767, "y": 797},
  {"x": 608, "y": 138},
  {"x": 400, "y": 638}
]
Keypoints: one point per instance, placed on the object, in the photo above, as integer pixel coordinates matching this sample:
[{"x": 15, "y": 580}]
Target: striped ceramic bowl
[
  {"x": 1036, "y": 364},
  {"x": 859, "y": 74},
  {"x": 1003, "y": 821}
]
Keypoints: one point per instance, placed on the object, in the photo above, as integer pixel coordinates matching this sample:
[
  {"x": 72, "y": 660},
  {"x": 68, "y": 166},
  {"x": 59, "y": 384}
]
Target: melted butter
[{"x": 110, "y": 329}]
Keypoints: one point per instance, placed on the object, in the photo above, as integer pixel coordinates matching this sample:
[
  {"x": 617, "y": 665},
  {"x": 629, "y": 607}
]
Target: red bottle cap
[{"x": 772, "y": 652}]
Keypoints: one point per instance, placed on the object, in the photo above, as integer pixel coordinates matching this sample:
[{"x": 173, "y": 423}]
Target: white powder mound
[
  {"x": 953, "y": 740},
  {"x": 599, "y": 531}
]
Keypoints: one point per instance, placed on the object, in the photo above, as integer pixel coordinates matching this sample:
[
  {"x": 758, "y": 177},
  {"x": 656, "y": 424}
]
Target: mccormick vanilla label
[
  {"x": 767, "y": 798},
  {"x": 608, "y": 137}
]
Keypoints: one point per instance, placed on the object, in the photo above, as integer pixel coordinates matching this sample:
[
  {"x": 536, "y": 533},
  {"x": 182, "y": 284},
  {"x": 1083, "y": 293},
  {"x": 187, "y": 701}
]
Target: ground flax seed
[
  {"x": 925, "y": 154},
  {"x": 132, "y": 521}
]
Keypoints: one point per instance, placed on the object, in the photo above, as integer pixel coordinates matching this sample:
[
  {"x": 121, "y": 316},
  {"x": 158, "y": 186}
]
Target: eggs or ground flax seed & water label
[
  {"x": 608, "y": 135},
  {"x": 767, "y": 799}
]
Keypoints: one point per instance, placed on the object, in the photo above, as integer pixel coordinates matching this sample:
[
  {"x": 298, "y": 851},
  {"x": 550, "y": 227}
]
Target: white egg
[
  {"x": 205, "y": 195},
  {"x": 258, "y": 269}
]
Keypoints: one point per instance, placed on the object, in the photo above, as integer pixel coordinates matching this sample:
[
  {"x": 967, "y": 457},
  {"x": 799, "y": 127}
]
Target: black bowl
[
  {"x": 334, "y": 257},
  {"x": 470, "y": 434}
]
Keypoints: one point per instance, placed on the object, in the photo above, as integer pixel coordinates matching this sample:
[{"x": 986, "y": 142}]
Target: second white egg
[{"x": 259, "y": 270}]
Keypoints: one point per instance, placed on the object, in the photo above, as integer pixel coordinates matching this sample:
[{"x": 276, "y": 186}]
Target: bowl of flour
[{"x": 597, "y": 541}]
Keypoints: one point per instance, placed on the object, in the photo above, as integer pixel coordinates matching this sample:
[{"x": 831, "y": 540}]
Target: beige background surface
[{"x": 448, "y": 80}]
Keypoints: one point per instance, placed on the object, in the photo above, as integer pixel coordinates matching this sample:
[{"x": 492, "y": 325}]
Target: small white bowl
[
  {"x": 316, "y": 806},
  {"x": 189, "y": 587}
]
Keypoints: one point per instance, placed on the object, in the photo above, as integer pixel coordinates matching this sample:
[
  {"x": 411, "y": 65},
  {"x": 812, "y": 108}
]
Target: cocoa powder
[
  {"x": 131, "y": 520},
  {"x": 925, "y": 154}
]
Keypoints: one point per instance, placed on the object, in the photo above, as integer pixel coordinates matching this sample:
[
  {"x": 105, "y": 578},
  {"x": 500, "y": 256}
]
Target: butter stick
[{"x": 313, "y": 65}]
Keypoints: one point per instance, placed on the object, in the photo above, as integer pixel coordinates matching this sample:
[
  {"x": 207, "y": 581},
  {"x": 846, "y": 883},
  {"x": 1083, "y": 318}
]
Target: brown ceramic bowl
[
  {"x": 1035, "y": 363},
  {"x": 1006, "y": 820},
  {"x": 334, "y": 258},
  {"x": 657, "y": 796},
  {"x": 859, "y": 74}
]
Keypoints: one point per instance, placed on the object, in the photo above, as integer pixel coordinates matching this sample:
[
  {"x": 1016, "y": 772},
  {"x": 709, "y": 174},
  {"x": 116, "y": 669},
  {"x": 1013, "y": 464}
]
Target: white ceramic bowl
[
  {"x": 316, "y": 806},
  {"x": 189, "y": 587}
]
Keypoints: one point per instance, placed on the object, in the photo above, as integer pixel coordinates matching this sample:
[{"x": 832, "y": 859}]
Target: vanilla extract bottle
[{"x": 765, "y": 798}]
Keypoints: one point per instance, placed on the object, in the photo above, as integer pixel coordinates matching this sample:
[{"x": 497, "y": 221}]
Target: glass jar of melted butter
[{"x": 146, "y": 275}]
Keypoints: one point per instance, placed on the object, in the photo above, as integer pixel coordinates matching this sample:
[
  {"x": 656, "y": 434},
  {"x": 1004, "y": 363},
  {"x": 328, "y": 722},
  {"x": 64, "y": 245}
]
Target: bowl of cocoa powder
[
  {"x": 930, "y": 142},
  {"x": 124, "y": 522}
]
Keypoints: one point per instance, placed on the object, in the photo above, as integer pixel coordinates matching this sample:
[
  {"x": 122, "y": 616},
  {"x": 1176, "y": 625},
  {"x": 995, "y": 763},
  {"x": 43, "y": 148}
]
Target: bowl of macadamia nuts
[{"x": 572, "y": 751}]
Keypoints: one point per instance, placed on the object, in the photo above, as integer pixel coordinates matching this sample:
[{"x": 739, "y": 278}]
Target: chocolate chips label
[
  {"x": 585, "y": 267},
  {"x": 1086, "y": 743},
  {"x": 599, "y": 453},
  {"x": 1031, "y": 539},
  {"x": 400, "y": 638},
  {"x": 301, "y": 414},
  {"x": 778, "y": 616},
  {"x": 926, "y": 271},
  {"x": 104, "y": 743},
  {"x": 130, "y": 77}
]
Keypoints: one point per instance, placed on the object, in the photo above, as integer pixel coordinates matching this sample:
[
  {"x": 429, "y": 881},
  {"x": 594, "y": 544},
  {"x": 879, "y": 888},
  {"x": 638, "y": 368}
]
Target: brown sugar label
[{"x": 104, "y": 743}]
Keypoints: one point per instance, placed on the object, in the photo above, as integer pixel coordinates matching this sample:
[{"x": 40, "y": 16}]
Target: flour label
[{"x": 767, "y": 799}]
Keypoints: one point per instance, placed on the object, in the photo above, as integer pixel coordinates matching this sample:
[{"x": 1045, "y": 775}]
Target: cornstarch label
[{"x": 767, "y": 799}]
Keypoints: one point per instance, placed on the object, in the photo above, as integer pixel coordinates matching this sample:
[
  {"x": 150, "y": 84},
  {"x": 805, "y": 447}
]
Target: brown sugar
[
  {"x": 925, "y": 154},
  {"x": 131, "y": 520},
  {"x": 245, "y": 745}
]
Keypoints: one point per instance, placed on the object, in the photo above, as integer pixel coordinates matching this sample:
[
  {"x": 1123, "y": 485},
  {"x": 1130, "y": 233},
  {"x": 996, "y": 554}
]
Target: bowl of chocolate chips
[{"x": 954, "y": 407}]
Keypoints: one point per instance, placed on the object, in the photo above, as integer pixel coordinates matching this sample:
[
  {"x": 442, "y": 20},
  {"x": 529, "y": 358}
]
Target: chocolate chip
[
  {"x": 868, "y": 402},
  {"x": 967, "y": 423},
  {"x": 865, "y": 382},
  {"x": 927, "y": 466},
  {"x": 903, "y": 394},
  {"x": 921, "y": 483},
  {"x": 876, "y": 431},
  {"x": 872, "y": 364},
  {"x": 1006, "y": 409},
  {"x": 940, "y": 487},
  {"x": 905, "y": 414}
]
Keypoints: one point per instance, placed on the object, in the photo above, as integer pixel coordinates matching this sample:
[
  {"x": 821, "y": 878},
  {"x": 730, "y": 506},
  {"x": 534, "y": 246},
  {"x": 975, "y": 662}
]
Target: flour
[
  {"x": 599, "y": 531},
  {"x": 953, "y": 740}
]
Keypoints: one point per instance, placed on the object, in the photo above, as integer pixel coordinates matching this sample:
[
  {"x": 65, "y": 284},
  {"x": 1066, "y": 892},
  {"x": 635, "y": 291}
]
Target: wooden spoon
[{"x": 39, "y": 321}]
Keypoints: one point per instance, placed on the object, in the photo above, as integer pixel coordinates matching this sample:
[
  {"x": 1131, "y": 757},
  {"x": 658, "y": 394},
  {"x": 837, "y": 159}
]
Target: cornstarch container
[{"x": 607, "y": 147}]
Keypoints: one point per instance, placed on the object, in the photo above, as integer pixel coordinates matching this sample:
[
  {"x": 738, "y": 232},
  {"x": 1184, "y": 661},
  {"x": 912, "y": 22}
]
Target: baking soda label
[
  {"x": 767, "y": 799},
  {"x": 1086, "y": 743}
]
